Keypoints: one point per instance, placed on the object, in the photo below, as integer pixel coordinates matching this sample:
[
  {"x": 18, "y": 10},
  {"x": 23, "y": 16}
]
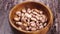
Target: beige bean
[
  {"x": 41, "y": 26},
  {"x": 34, "y": 12},
  {"x": 43, "y": 18},
  {"x": 28, "y": 23},
  {"x": 41, "y": 12},
  {"x": 45, "y": 24},
  {"x": 25, "y": 24},
  {"x": 18, "y": 13},
  {"x": 27, "y": 28},
  {"x": 34, "y": 19},
  {"x": 40, "y": 23},
  {"x": 19, "y": 28},
  {"x": 31, "y": 14},
  {"x": 24, "y": 10},
  {"x": 28, "y": 20},
  {"x": 27, "y": 15},
  {"x": 37, "y": 23},
  {"x": 29, "y": 10},
  {"x": 34, "y": 15},
  {"x": 43, "y": 21},
  {"x": 23, "y": 19},
  {"x": 33, "y": 24},
  {"x": 37, "y": 17},
  {"x": 19, "y": 23},
  {"x": 37, "y": 27},
  {"x": 16, "y": 18},
  {"x": 22, "y": 14},
  {"x": 33, "y": 29},
  {"x": 30, "y": 27}
]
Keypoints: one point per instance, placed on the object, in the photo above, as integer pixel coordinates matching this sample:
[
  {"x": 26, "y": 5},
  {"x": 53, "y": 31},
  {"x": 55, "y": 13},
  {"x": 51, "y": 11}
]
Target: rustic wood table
[{"x": 6, "y": 5}]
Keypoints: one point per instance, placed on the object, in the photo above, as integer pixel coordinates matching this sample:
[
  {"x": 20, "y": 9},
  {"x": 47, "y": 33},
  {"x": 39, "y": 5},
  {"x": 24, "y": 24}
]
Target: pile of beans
[{"x": 30, "y": 19}]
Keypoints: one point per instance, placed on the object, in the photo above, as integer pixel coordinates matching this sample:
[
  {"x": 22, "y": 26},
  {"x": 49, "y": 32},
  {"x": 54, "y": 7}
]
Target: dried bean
[
  {"x": 27, "y": 28},
  {"x": 24, "y": 10},
  {"x": 29, "y": 10},
  {"x": 27, "y": 15},
  {"x": 19, "y": 23},
  {"x": 41, "y": 12},
  {"x": 33, "y": 19},
  {"x": 16, "y": 18},
  {"x": 18, "y": 13},
  {"x": 25, "y": 24},
  {"x": 33, "y": 29},
  {"x": 41, "y": 26},
  {"x": 45, "y": 24},
  {"x": 33, "y": 24}
]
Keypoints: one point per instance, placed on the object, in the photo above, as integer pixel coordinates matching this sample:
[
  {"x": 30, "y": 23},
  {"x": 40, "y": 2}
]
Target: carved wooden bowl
[{"x": 36, "y": 5}]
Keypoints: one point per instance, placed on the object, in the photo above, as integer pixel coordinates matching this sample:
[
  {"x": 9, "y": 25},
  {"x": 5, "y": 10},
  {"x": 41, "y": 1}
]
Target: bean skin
[{"x": 33, "y": 19}]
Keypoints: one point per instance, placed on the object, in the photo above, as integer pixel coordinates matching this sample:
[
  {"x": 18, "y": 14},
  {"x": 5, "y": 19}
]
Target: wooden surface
[{"x": 6, "y": 5}]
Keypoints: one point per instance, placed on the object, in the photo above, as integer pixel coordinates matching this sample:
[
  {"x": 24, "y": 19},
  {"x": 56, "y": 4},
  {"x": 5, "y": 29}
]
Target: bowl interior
[{"x": 29, "y": 5}]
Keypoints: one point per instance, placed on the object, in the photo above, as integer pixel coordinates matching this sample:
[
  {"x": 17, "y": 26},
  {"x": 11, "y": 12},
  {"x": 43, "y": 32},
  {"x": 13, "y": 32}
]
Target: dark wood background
[{"x": 6, "y": 5}]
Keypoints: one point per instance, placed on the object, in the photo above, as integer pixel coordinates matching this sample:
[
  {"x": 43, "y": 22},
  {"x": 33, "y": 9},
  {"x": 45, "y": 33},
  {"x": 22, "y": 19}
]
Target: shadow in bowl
[{"x": 16, "y": 31}]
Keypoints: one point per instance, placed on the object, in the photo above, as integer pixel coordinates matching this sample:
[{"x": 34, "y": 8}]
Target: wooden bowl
[{"x": 31, "y": 5}]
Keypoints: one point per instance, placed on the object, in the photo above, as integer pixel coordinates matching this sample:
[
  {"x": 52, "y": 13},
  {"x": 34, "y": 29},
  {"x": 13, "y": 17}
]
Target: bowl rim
[{"x": 51, "y": 16}]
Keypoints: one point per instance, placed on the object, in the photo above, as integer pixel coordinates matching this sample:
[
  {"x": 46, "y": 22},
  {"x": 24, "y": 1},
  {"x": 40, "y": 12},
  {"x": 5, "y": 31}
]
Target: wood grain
[{"x": 6, "y": 5}]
